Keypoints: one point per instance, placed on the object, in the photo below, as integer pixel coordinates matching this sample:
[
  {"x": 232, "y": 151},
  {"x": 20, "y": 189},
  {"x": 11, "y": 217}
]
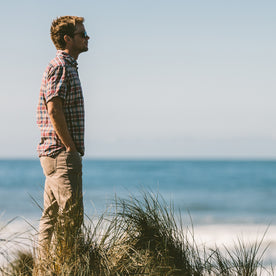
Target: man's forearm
[{"x": 60, "y": 126}]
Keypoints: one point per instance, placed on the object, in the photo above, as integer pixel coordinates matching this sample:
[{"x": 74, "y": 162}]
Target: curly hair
[{"x": 61, "y": 26}]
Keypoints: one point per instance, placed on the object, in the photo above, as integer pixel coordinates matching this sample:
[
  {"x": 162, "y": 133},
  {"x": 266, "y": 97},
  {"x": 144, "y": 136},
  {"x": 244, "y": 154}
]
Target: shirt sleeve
[{"x": 56, "y": 83}]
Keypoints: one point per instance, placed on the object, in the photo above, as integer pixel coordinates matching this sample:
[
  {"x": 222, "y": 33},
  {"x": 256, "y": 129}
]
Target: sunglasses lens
[{"x": 82, "y": 34}]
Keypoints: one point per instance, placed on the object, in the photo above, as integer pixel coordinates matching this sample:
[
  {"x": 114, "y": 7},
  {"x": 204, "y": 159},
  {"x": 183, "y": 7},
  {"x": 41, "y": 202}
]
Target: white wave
[{"x": 226, "y": 235}]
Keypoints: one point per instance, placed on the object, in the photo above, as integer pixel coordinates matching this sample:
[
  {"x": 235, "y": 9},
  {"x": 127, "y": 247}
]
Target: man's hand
[{"x": 55, "y": 111}]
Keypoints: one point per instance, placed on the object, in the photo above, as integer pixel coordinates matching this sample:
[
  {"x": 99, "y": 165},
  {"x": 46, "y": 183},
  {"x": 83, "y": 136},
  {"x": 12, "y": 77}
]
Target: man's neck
[{"x": 72, "y": 53}]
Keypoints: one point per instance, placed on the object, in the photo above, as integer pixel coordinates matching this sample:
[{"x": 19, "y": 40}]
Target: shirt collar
[{"x": 67, "y": 57}]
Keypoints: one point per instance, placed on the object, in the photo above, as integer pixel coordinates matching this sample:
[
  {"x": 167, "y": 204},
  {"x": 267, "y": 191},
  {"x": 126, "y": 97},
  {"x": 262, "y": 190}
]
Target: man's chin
[{"x": 84, "y": 49}]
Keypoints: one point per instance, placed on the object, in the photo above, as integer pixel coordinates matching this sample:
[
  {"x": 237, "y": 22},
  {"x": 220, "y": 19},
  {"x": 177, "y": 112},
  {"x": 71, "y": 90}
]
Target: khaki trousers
[{"x": 62, "y": 195}]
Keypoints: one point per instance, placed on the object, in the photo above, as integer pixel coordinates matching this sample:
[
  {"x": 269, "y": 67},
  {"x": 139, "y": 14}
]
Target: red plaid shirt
[{"x": 61, "y": 79}]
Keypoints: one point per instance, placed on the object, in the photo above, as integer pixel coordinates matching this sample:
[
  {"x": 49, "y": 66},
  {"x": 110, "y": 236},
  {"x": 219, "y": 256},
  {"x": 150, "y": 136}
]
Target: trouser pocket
[{"x": 48, "y": 165}]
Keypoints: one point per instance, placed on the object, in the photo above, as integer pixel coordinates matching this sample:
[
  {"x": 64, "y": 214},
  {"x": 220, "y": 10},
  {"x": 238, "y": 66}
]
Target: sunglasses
[{"x": 82, "y": 34}]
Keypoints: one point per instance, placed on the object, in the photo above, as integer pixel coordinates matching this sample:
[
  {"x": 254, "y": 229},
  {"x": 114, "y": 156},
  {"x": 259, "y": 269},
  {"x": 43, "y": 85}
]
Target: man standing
[{"x": 60, "y": 117}]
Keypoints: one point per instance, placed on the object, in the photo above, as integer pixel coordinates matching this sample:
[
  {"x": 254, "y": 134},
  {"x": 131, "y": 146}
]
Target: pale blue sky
[{"x": 172, "y": 79}]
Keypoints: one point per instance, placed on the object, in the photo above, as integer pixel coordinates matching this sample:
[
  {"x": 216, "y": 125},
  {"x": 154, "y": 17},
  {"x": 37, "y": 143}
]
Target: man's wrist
[{"x": 71, "y": 149}]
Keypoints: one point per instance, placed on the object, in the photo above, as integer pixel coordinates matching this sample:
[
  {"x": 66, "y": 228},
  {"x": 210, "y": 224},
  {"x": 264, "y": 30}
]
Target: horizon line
[{"x": 155, "y": 158}]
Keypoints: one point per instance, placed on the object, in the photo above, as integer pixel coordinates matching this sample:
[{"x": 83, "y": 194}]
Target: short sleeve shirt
[{"x": 61, "y": 79}]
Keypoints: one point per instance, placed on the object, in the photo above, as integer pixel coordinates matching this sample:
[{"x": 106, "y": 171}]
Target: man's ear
[{"x": 67, "y": 38}]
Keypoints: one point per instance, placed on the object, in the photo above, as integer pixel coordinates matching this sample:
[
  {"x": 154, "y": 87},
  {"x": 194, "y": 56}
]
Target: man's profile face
[{"x": 80, "y": 39}]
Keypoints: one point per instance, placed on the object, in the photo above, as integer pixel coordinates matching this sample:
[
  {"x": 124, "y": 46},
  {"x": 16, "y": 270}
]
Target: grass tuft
[
  {"x": 141, "y": 236},
  {"x": 22, "y": 265}
]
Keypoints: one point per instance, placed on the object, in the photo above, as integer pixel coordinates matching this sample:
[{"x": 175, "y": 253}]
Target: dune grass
[{"x": 140, "y": 236}]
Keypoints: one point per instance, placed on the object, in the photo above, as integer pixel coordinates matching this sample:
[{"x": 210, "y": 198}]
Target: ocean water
[
  {"x": 212, "y": 192},
  {"x": 226, "y": 200}
]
